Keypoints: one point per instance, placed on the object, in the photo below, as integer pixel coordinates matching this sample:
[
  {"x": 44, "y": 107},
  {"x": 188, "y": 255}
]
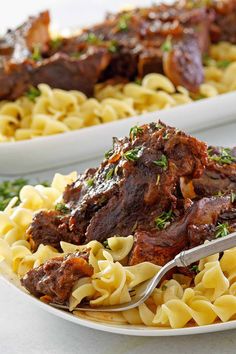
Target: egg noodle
[
  {"x": 177, "y": 302},
  {"x": 52, "y": 111}
]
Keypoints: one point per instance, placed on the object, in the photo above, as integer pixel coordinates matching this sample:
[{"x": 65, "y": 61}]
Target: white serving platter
[
  {"x": 44, "y": 153},
  {"x": 131, "y": 330}
]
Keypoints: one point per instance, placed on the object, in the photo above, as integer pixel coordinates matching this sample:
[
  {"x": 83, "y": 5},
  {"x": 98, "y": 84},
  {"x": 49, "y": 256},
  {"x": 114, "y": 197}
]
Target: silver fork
[{"x": 183, "y": 259}]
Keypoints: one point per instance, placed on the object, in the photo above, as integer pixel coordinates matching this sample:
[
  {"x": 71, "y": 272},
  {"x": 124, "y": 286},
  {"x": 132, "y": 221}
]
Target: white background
[{"x": 25, "y": 329}]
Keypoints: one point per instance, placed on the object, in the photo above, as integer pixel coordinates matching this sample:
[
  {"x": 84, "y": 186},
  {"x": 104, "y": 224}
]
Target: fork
[{"x": 183, "y": 259}]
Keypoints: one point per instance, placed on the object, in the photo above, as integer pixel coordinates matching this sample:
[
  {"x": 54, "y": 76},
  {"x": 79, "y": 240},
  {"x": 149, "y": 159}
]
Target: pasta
[
  {"x": 180, "y": 301},
  {"x": 53, "y": 111}
]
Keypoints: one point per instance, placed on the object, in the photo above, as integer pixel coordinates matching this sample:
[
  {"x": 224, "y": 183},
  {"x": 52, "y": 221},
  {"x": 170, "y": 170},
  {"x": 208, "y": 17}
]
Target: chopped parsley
[
  {"x": 36, "y": 54},
  {"x": 159, "y": 126},
  {"x": 162, "y": 162},
  {"x": 62, "y": 208},
  {"x": 166, "y": 136},
  {"x": 207, "y": 60},
  {"x": 222, "y": 230},
  {"x": 134, "y": 131},
  {"x": 138, "y": 82},
  {"x": 123, "y": 24},
  {"x": 113, "y": 47},
  {"x": 163, "y": 220},
  {"x": 90, "y": 182},
  {"x": 108, "y": 154},
  {"x": 56, "y": 42},
  {"x": 132, "y": 155},
  {"x": 106, "y": 245},
  {"x": 195, "y": 269},
  {"x": 76, "y": 55},
  {"x": 32, "y": 93},
  {"x": 222, "y": 64},
  {"x": 9, "y": 190},
  {"x": 224, "y": 157},
  {"x": 233, "y": 197},
  {"x": 93, "y": 39},
  {"x": 219, "y": 194},
  {"x": 110, "y": 173},
  {"x": 167, "y": 45}
]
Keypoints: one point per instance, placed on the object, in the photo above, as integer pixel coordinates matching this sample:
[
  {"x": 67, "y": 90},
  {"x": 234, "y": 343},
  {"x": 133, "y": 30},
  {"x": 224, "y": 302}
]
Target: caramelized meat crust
[
  {"x": 193, "y": 228},
  {"x": 218, "y": 177},
  {"x": 131, "y": 186},
  {"x": 57, "y": 276},
  {"x": 49, "y": 228},
  {"x": 130, "y": 44}
]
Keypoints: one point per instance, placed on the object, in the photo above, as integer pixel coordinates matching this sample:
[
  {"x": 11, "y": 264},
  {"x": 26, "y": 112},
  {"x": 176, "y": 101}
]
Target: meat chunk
[
  {"x": 197, "y": 225},
  {"x": 57, "y": 276},
  {"x": 183, "y": 63},
  {"x": 223, "y": 28},
  {"x": 49, "y": 228},
  {"x": 125, "y": 45},
  {"x": 138, "y": 179},
  {"x": 219, "y": 176}
]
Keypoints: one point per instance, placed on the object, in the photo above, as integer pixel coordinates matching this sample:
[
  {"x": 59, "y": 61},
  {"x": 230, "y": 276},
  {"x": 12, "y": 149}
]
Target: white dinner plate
[
  {"x": 44, "y": 153},
  {"x": 130, "y": 330}
]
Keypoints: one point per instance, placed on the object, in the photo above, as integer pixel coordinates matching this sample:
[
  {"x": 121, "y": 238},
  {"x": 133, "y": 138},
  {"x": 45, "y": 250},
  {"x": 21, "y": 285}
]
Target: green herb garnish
[
  {"x": 138, "y": 82},
  {"x": 109, "y": 153},
  {"x": 166, "y": 136},
  {"x": 159, "y": 126},
  {"x": 167, "y": 45},
  {"x": 219, "y": 194},
  {"x": 113, "y": 47},
  {"x": 62, "y": 208},
  {"x": 106, "y": 245},
  {"x": 163, "y": 220},
  {"x": 36, "y": 54},
  {"x": 222, "y": 230},
  {"x": 195, "y": 269},
  {"x": 132, "y": 155},
  {"x": 76, "y": 55},
  {"x": 233, "y": 197},
  {"x": 93, "y": 39},
  {"x": 223, "y": 64},
  {"x": 90, "y": 182},
  {"x": 224, "y": 157},
  {"x": 162, "y": 162},
  {"x": 134, "y": 131},
  {"x": 123, "y": 24},
  {"x": 32, "y": 93},
  {"x": 207, "y": 60},
  {"x": 9, "y": 190},
  {"x": 164, "y": 287},
  {"x": 110, "y": 173},
  {"x": 56, "y": 42}
]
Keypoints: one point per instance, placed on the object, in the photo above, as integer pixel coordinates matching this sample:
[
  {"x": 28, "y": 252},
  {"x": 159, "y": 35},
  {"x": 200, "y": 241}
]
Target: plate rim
[
  {"x": 129, "y": 330},
  {"x": 72, "y": 133}
]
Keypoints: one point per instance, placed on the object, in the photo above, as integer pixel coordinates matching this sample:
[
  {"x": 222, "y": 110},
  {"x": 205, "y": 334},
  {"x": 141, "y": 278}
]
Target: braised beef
[
  {"x": 130, "y": 44},
  {"x": 137, "y": 180},
  {"x": 223, "y": 27},
  {"x": 57, "y": 276},
  {"x": 219, "y": 177},
  {"x": 197, "y": 225},
  {"x": 49, "y": 228}
]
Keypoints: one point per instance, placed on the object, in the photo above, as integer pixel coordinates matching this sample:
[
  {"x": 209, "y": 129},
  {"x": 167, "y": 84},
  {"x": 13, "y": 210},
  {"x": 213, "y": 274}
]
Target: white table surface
[{"x": 26, "y": 329}]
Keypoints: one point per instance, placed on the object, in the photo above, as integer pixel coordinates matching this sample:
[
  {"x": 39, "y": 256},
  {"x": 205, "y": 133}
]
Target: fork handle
[{"x": 185, "y": 258}]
